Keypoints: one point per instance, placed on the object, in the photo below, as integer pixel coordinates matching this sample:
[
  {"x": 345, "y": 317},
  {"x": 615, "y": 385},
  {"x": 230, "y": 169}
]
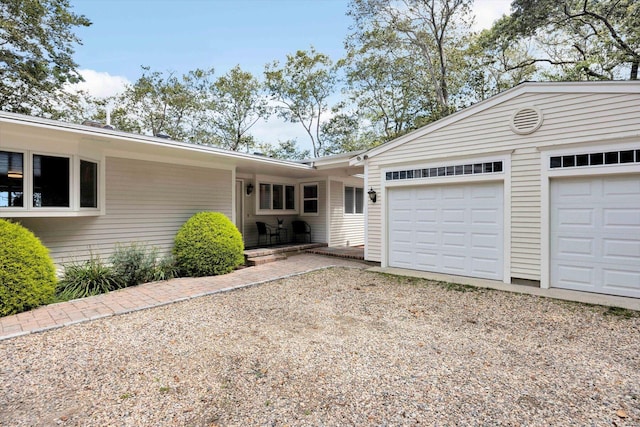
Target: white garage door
[
  {"x": 454, "y": 229},
  {"x": 595, "y": 235}
]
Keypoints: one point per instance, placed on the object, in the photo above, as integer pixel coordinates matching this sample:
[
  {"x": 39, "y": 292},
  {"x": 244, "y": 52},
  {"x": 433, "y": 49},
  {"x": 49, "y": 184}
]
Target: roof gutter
[{"x": 141, "y": 139}]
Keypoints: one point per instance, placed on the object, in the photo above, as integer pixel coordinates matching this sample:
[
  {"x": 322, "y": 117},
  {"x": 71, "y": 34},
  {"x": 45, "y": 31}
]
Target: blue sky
[{"x": 182, "y": 35}]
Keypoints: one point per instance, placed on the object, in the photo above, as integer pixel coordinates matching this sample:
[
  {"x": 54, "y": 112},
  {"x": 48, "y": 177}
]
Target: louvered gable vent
[{"x": 526, "y": 120}]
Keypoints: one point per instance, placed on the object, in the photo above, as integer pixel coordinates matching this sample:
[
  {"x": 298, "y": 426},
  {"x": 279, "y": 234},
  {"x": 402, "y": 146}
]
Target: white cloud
[
  {"x": 487, "y": 11},
  {"x": 100, "y": 84}
]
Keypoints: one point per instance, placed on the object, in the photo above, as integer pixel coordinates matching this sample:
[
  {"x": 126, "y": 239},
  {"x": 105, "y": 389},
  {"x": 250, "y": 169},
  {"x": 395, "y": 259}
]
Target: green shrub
[
  {"x": 87, "y": 278},
  {"x": 165, "y": 269},
  {"x": 27, "y": 273},
  {"x": 135, "y": 264},
  {"x": 208, "y": 244}
]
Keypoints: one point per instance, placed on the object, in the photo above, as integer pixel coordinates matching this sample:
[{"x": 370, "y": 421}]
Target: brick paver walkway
[{"x": 155, "y": 294}]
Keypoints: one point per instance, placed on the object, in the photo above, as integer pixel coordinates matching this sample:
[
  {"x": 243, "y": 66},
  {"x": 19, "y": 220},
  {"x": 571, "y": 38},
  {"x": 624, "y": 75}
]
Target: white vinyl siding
[
  {"x": 568, "y": 118},
  {"x": 346, "y": 230},
  {"x": 374, "y": 214},
  {"x": 146, "y": 202},
  {"x": 525, "y": 214}
]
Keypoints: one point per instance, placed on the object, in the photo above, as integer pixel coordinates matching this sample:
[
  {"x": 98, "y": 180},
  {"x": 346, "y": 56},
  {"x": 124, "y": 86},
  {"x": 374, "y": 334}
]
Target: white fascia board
[
  {"x": 342, "y": 159},
  {"x": 526, "y": 87},
  {"x": 141, "y": 139}
]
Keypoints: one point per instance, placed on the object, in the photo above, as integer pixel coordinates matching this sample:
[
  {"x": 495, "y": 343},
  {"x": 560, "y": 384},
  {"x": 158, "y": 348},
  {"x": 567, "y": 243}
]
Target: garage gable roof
[{"x": 522, "y": 88}]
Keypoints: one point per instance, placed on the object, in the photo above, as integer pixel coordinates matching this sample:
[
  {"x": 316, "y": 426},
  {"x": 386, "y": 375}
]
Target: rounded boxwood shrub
[
  {"x": 27, "y": 273},
  {"x": 208, "y": 244}
]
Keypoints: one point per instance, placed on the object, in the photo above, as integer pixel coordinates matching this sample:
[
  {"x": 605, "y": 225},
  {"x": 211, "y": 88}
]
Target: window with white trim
[
  {"x": 310, "y": 199},
  {"x": 36, "y": 184},
  {"x": 11, "y": 179},
  {"x": 88, "y": 184},
  {"x": 594, "y": 159},
  {"x": 446, "y": 171},
  {"x": 276, "y": 197},
  {"x": 353, "y": 200},
  {"x": 51, "y": 181}
]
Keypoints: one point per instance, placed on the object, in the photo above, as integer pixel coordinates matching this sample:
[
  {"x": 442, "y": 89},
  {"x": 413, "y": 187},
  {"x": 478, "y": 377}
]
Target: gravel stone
[{"x": 332, "y": 348}]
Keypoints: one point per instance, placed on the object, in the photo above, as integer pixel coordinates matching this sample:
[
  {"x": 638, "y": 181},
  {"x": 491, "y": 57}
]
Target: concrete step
[
  {"x": 264, "y": 259},
  {"x": 285, "y": 248}
]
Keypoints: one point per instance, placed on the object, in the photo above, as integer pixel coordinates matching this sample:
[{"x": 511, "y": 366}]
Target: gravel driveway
[{"x": 334, "y": 347}]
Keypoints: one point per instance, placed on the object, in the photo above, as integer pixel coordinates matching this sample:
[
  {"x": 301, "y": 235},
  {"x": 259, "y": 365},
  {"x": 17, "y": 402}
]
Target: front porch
[{"x": 263, "y": 255}]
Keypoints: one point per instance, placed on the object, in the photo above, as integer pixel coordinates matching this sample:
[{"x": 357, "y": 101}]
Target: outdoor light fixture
[
  {"x": 14, "y": 174},
  {"x": 249, "y": 189},
  {"x": 372, "y": 194}
]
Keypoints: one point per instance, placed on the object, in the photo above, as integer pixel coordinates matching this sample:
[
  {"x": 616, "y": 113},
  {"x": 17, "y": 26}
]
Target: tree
[
  {"x": 238, "y": 103},
  {"x": 584, "y": 39},
  {"x": 93, "y": 108},
  {"x": 36, "y": 50},
  {"x": 497, "y": 64},
  {"x": 301, "y": 89},
  {"x": 286, "y": 150},
  {"x": 160, "y": 103},
  {"x": 388, "y": 85},
  {"x": 432, "y": 30}
]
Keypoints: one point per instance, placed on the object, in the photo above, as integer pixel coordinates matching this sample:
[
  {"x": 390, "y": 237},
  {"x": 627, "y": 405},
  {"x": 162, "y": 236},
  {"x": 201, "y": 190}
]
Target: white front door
[
  {"x": 595, "y": 234},
  {"x": 454, "y": 229}
]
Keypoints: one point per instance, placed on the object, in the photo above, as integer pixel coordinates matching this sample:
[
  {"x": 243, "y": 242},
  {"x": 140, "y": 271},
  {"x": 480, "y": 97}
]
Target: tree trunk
[{"x": 634, "y": 70}]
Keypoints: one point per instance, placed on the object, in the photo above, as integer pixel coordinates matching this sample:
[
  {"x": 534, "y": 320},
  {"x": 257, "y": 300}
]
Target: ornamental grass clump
[
  {"x": 88, "y": 278},
  {"x": 208, "y": 244},
  {"x": 27, "y": 273}
]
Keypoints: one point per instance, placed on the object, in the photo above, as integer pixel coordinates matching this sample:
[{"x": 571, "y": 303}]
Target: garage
[
  {"x": 453, "y": 229},
  {"x": 595, "y": 234}
]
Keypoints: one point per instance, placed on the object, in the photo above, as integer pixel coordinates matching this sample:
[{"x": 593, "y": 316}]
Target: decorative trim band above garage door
[
  {"x": 444, "y": 171},
  {"x": 594, "y": 159}
]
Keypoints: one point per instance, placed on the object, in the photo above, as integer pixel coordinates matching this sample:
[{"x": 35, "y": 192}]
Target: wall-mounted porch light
[
  {"x": 249, "y": 189},
  {"x": 372, "y": 194}
]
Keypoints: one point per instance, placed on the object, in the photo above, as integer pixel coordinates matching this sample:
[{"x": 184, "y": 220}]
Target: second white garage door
[
  {"x": 595, "y": 234},
  {"x": 453, "y": 229}
]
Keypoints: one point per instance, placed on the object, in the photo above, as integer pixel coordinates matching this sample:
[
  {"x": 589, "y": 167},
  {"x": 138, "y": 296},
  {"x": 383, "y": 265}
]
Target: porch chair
[
  {"x": 267, "y": 231},
  {"x": 301, "y": 227}
]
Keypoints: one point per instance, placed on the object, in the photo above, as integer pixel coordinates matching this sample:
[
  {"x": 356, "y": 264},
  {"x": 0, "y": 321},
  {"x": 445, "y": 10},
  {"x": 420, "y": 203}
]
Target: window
[
  {"x": 33, "y": 184},
  {"x": 278, "y": 197},
  {"x": 11, "y": 179},
  {"x": 353, "y": 200},
  {"x": 594, "y": 159},
  {"x": 51, "y": 181},
  {"x": 265, "y": 196},
  {"x": 310, "y": 198},
  {"x": 290, "y": 197},
  {"x": 454, "y": 170},
  {"x": 88, "y": 184}
]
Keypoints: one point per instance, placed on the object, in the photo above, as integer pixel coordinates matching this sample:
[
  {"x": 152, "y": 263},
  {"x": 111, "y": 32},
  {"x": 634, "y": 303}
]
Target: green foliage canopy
[
  {"x": 579, "y": 39},
  {"x": 301, "y": 88},
  {"x": 36, "y": 56}
]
